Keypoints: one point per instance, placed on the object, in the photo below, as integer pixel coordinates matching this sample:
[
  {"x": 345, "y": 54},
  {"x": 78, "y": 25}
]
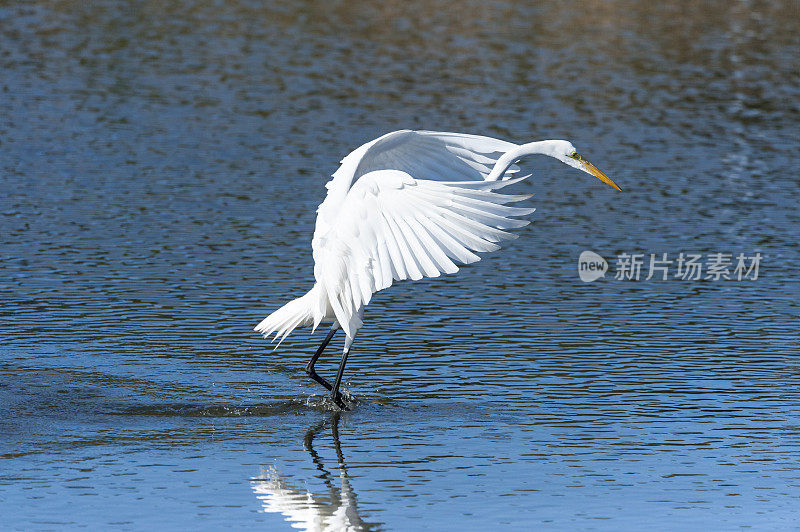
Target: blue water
[{"x": 161, "y": 165}]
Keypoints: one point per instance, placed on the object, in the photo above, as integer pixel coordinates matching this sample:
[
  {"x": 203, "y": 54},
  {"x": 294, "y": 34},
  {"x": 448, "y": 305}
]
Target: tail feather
[{"x": 295, "y": 313}]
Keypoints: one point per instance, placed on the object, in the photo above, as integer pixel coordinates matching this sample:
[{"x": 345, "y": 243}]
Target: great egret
[{"x": 407, "y": 205}]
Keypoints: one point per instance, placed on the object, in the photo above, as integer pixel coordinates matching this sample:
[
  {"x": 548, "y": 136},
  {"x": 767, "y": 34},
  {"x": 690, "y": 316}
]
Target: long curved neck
[{"x": 543, "y": 147}]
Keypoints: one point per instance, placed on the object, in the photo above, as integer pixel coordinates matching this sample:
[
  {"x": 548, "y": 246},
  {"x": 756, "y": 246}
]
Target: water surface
[{"x": 161, "y": 165}]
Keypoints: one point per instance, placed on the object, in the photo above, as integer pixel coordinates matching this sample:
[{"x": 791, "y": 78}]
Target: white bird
[{"x": 407, "y": 205}]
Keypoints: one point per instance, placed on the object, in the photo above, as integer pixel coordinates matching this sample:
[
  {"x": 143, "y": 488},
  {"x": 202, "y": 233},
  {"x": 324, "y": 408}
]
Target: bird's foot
[{"x": 342, "y": 399}]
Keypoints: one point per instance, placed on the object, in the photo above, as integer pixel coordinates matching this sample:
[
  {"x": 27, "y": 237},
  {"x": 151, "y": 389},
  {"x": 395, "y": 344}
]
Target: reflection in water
[{"x": 313, "y": 512}]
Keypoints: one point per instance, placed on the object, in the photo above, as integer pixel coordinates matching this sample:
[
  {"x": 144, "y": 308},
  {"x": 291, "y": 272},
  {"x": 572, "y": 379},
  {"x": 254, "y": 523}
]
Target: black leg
[
  {"x": 310, "y": 366},
  {"x": 335, "y": 395},
  {"x": 308, "y": 443}
]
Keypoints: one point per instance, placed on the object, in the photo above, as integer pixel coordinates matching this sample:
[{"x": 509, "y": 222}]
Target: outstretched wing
[
  {"x": 433, "y": 155},
  {"x": 392, "y": 226}
]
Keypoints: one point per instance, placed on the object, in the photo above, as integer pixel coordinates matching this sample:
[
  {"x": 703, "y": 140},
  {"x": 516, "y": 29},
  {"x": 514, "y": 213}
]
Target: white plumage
[{"x": 408, "y": 205}]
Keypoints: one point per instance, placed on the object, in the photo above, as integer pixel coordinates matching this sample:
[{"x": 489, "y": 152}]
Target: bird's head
[{"x": 565, "y": 152}]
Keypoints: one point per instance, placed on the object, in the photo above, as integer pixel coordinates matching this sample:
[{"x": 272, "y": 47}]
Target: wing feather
[
  {"x": 407, "y": 263},
  {"x": 442, "y": 262},
  {"x": 432, "y": 155},
  {"x": 396, "y": 256},
  {"x": 392, "y": 227}
]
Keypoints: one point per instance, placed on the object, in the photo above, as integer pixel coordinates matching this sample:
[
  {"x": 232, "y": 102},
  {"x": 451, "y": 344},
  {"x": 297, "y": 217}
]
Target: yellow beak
[{"x": 592, "y": 169}]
